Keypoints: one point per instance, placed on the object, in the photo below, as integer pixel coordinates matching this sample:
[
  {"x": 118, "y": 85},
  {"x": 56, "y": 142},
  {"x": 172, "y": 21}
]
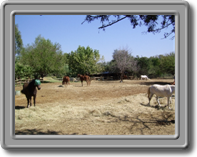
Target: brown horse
[
  {"x": 29, "y": 89},
  {"x": 125, "y": 77},
  {"x": 173, "y": 83},
  {"x": 84, "y": 78},
  {"x": 66, "y": 79}
]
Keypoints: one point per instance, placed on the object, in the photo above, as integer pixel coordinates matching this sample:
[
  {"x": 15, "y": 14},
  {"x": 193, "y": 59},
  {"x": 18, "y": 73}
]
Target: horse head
[{"x": 37, "y": 84}]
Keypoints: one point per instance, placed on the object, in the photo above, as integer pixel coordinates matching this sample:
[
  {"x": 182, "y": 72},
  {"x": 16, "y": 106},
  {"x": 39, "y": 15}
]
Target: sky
[{"x": 68, "y": 31}]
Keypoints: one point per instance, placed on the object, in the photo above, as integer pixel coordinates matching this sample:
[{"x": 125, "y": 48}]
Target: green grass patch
[{"x": 51, "y": 80}]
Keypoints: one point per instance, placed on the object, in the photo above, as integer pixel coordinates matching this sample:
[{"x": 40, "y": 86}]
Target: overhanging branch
[{"x": 104, "y": 26}]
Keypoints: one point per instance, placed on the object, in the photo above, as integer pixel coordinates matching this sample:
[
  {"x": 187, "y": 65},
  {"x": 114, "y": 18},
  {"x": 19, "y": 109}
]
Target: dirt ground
[{"x": 103, "y": 108}]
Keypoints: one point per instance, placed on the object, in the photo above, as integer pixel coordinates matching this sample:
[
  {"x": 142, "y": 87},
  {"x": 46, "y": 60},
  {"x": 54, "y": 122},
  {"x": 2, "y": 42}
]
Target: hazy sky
[{"x": 68, "y": 31}]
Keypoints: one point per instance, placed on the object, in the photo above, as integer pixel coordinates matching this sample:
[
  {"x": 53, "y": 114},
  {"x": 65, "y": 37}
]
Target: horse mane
[
  {"x": 28, "y": 86},
  {"x": 31, "y": 82}
]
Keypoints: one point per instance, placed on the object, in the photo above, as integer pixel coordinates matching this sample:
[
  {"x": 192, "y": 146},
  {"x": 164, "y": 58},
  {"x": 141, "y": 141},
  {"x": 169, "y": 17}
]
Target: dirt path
[{"x": 104, "y": 108}]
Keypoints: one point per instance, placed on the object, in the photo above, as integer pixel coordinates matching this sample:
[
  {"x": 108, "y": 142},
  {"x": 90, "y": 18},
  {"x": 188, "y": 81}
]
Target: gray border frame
[{"x": 179, "y": 140}]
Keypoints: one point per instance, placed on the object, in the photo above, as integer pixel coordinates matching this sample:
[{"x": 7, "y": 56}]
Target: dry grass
[{"x": 104, "y": 108}]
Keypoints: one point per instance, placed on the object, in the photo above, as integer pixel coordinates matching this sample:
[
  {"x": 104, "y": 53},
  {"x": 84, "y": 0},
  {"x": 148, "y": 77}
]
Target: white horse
[
  {"x": 161, "y": 91},
  {"x": 144, "y": 77}
]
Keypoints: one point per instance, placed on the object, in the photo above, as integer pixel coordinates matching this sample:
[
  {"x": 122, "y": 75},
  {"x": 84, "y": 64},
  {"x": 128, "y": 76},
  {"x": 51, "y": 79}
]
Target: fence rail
[{"x": 21, "y": 81}]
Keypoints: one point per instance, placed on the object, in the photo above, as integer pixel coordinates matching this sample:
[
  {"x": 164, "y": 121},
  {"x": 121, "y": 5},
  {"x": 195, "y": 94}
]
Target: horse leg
[
  {"x": 34, "y": 100},
  {"x": 150, "y": 97},
  {"x": 169, "y": 99},
  {"x": 157, "y": 98},
  {"x": 30, "y": 101},
  {"x": 27, "y": 102}
]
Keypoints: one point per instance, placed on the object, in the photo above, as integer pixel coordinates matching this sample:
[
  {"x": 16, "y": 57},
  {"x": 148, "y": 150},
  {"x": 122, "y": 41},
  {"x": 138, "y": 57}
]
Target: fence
[{"x": 21, "y": 81}]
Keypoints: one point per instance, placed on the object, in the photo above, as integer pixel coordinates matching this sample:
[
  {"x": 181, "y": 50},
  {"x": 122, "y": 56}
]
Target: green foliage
[
  {"x": 84, "y": 61},
  {"x": 168, "y": 63},
  {"x": 144, "y": 64},
  {"x": 18, "y": 41},
  {"x": 44, "y": 57},
  {"x": 157, "y": 66},
  {"x": 155, "y": 69},
  {"x": 22, "y": 70}
]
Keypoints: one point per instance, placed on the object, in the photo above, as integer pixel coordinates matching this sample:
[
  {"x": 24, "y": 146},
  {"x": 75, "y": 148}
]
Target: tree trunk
[{"x": 121, "y": 77}]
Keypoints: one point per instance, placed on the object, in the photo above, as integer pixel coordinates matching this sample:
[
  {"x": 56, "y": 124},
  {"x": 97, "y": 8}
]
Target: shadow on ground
[
  {"x": 151, "y": 83},
  {"x": 156, "y": 106},
  {"x": 19, "y": 107},
  {"x": 39, "y": 132}
]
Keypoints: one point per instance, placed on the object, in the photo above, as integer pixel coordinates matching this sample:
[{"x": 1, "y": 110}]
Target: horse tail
[
  {"x": 149, "y": 95},
  {"x": 148, "y": 91}
]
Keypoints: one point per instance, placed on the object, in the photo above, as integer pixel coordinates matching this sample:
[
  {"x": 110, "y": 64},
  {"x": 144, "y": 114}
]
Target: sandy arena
[{"x": 103, "y": 108}]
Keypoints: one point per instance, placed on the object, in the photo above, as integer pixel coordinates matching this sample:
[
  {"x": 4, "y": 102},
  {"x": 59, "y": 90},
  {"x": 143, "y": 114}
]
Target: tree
[
  {"x": 22, "y": 70},
  {"x": 144, "y": 64},
  {"x": 151, "y": 21},
  {"x": 168, "y": 63},
  {"x": 155, "y": 67},
  {"x": 18, "y": 41},
  {"x": 44, "y": 57},
  {"x": 84, "y": 61},
  {"x": 123, "y": 61}
]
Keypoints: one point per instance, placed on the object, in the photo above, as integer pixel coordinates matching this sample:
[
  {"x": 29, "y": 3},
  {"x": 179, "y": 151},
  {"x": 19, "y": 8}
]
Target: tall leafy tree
[
  {"x": 168, "y": 63},
  {"x": 144, "y": 64},
  {"x": 44, "y": 57},
  {"x": 150, "y": 21},
  {"x": 84, "y": 61},
  {"x": 22, "y": 71},
  {"x": 18, "y": 41},
  {"x": 154, "y": 69}
]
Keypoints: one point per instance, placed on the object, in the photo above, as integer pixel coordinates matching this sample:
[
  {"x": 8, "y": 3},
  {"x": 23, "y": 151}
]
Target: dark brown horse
[
  {"x": 66, "y": 79},
  {"x": 29, "y": 89},
  {"x": 84, "y": 78}
]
